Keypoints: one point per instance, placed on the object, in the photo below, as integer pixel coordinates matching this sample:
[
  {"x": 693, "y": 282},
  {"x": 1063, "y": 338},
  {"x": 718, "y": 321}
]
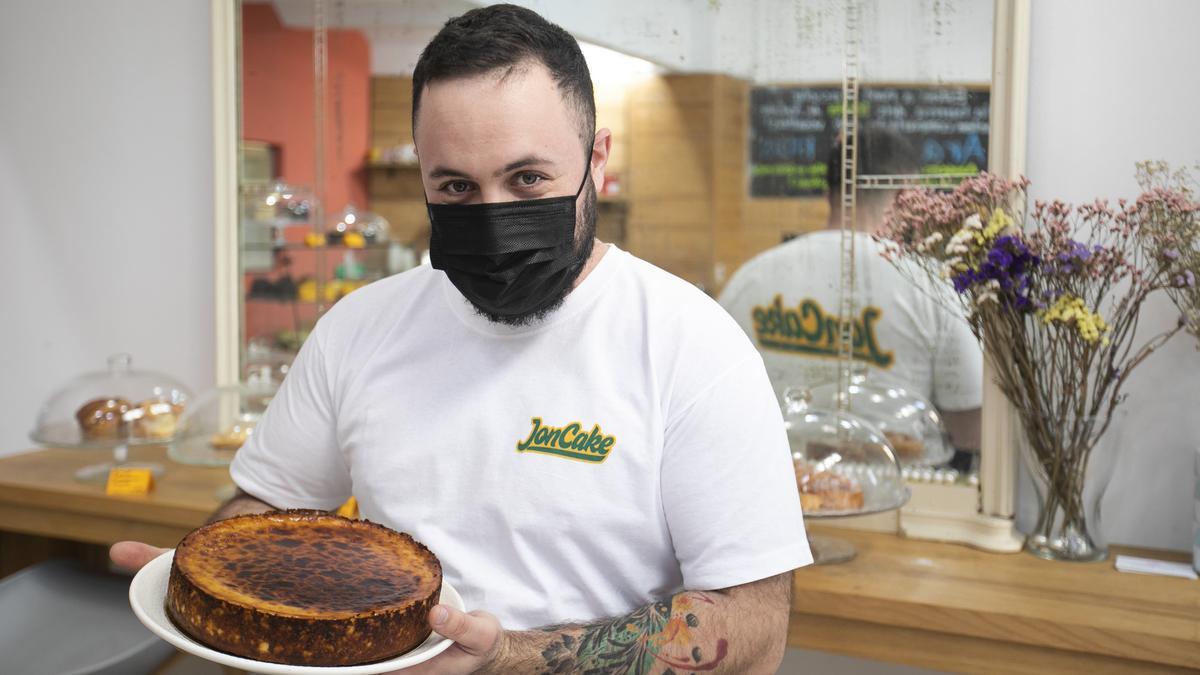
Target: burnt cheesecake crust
[{"x": 303, "y": 588}]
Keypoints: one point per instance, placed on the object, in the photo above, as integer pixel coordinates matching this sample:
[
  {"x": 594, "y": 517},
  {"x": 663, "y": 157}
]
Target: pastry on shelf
[
  {"x": 154, "y": 419},
  {"x": 232, "y": 438},
  {"x": 907, "y": 447},
  {"x": 827, "y": 491},
  {"x": 103, "y": 417}
]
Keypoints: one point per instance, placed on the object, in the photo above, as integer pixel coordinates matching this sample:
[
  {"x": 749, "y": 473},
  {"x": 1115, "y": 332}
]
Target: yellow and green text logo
[
  {"x": 808, "y": 329},
  {"x": 569, "y": 441}
]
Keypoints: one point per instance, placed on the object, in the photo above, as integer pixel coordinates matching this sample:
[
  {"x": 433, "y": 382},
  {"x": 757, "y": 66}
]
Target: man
[
  {"x": 787, "y": 298},
  {"x": 575, "y": 433}
]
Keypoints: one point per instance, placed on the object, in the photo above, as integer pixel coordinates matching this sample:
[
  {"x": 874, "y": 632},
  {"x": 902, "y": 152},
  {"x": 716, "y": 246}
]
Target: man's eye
[
  {"x": 456, "y": 187},
  {"x": 528, "y": 179}
]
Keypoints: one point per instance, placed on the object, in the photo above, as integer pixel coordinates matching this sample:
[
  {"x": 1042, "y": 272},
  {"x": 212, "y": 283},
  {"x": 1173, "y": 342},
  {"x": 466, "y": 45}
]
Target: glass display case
[
  {"x": 295, "y": 265},
  {"x": 113, "y": 408}
]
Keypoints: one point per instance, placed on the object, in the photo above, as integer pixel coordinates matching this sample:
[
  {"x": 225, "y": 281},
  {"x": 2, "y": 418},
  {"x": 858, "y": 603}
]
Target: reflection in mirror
[
  {"x": 725, "y": 119},
  {"x": 923, "y": 72}
]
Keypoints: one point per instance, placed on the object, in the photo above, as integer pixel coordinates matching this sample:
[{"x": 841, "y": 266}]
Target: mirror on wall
[{"x": 726, "y": 120}]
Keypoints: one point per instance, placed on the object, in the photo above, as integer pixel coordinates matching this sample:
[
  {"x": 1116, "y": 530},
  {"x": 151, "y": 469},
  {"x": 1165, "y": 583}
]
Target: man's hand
[
  {"x": 477, "y": 638},
  {"x": 133, "y": 555}
]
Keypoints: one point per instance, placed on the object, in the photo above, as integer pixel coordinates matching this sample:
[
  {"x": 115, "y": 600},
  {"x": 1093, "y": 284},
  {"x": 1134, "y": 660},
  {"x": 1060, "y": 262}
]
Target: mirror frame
[
  {"x": 980, "y": 517},
  {"x": 226, "y": 289}
]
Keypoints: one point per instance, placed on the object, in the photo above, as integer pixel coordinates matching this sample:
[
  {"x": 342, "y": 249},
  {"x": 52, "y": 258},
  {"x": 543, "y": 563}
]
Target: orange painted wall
[{"x": 278, "y": 103}]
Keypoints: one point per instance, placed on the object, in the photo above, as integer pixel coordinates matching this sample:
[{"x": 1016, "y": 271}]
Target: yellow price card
[{"x": 129, "y": 481}]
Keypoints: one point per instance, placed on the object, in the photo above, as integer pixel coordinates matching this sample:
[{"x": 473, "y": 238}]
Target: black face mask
[{"x": 510, "y": 259}]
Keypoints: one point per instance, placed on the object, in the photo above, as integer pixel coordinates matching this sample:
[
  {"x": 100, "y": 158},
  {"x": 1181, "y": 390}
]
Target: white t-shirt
[
  {"x": 625, "y": 448},
  {"x": 786, "y": 299}
]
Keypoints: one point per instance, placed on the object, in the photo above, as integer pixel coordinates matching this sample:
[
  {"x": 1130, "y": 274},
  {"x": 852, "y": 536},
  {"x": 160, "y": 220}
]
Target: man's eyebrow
[
  {"x": 524, "y": 162},
  {"x": 531, "y": 160},
  {"x": 446, "y": 172}
]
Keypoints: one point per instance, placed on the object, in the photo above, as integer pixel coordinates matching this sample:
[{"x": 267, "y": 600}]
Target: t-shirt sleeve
[
  {"x": 293, "y": 458},
  {"x": 957, "y": 366},
  {"x": 728, "y": 483}
]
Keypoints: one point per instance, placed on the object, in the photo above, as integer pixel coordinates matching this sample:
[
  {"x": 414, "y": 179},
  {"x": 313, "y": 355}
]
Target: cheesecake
[{"x": 303, "y": 588}]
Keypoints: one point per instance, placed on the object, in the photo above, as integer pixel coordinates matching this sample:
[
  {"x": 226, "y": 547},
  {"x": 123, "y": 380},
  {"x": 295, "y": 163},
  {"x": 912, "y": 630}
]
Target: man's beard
[{"x": 585, "y": 239}]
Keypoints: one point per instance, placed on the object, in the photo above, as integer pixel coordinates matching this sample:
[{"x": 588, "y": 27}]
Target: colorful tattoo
[{"x": 654, "y": 636}]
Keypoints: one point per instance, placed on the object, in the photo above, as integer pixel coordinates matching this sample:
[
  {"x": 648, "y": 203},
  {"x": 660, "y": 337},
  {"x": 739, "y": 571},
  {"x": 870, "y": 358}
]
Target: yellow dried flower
[
  {"x": 997, "y": 224},
  {"x": 1069, "y": 309}
]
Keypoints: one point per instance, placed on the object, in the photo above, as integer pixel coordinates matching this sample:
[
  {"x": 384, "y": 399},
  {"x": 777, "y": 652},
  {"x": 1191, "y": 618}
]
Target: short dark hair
[
  {"x": 504, "y": 36},
  {"x": 881, "y": 151}
]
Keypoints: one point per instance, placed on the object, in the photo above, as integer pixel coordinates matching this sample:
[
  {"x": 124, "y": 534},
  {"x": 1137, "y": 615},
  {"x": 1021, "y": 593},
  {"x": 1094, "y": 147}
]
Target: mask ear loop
[{"x": 587, "y": 171}]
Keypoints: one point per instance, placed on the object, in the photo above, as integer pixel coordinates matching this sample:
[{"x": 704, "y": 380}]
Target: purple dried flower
[{"x": 1008, "y": 264}]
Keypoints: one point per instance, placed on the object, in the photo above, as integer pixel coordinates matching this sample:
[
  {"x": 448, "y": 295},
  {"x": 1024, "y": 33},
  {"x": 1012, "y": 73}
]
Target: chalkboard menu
[{"x": 792, "y": 130}]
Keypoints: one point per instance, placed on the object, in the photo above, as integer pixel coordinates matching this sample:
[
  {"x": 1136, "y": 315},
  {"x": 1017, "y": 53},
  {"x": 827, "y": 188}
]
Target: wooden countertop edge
[
  {"x": 1019, "y": 628},
  {"x": 1114, "y": 611},
  {"x": 92, "y": 504},
  {"x": 954, "y": 653}
]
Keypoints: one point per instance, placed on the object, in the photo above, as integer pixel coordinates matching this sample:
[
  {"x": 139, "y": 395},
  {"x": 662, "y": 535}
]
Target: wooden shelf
[
  {"x": 391, "y": 166},
  {"x": 291, "y": 246},
  {"x": 948, "y": 607}
]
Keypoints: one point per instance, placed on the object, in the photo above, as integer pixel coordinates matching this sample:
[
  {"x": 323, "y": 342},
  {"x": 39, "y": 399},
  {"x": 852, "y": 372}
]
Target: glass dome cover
[
  {"x": 260, "y": 354},
  {"x": 220, "y": 420},
  {"x": 911, "y": 424},
  {"x": 372, "y": 226},
  {"x": 278, "y": 203},
  {"x": 114, "y": 407},
  {"x": 844, "y": 465}
]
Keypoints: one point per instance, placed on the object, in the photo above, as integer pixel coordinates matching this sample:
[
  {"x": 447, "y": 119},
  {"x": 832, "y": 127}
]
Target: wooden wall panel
[
  {"x": 396, "y": 193},
  {"x": 391, "y": 111}
]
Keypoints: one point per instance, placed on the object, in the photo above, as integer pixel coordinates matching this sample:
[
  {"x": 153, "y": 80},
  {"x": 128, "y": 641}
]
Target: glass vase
[{"x": 1071, "y": 470}]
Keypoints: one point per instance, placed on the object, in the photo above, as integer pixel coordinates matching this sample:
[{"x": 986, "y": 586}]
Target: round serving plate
[{"x": 148, "y": 594}]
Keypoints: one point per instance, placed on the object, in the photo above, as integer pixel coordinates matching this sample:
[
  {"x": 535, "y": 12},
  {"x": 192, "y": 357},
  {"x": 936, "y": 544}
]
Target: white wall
[
  {"x": 1114, "y": 82},
  {"x": 105, "y": 195}
]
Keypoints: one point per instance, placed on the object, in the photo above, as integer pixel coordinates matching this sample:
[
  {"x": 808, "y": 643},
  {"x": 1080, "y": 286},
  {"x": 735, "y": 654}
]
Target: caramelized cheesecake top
[{"x": 308, "y": 564}]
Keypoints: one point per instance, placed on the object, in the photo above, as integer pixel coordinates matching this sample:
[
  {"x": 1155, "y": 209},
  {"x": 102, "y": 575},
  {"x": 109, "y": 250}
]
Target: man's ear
[{"x": 601, "y": 146}]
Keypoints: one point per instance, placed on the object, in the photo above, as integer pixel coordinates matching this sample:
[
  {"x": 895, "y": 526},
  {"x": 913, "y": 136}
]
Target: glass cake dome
[
  {"x": 844, "y": 465},
  {"x": 278, "y": 203},
  {"x": 372, "y": 226},
  {"x": 220, "y": 420},
  {"x": 909, "y": 422},
  {"x": 113, "y": 408}
]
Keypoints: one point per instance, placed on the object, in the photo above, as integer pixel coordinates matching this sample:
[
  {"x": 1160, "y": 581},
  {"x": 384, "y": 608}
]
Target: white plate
[{"x": 148, "y": 593}]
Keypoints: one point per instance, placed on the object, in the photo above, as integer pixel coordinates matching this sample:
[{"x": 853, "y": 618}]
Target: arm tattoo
[{"x": 656, "y": 638}]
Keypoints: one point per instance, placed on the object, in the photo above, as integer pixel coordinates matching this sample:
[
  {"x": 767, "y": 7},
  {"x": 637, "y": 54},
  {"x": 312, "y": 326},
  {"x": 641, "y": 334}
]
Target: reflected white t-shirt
[
  {"x": 787, "y": 300},
  {"x": 625, "y": 448}
]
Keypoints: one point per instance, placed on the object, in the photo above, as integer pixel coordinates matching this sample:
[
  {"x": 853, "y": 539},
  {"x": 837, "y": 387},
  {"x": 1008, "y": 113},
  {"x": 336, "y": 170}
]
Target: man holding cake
[{"x": 577, "y": 435}]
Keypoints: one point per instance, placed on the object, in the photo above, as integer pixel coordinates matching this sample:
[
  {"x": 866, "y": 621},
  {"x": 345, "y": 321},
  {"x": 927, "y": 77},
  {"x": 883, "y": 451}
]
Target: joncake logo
[
  {"x": 569, "y": 441},
  {"x": 808, "y": 329}
]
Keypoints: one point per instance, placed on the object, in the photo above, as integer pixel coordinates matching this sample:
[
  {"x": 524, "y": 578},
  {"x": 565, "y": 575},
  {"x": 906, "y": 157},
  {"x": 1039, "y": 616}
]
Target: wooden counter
[
  {"x": 940, "y": 606},
  {"x": 948, "y": 607},
  {"x": 40, "y": 496}
]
